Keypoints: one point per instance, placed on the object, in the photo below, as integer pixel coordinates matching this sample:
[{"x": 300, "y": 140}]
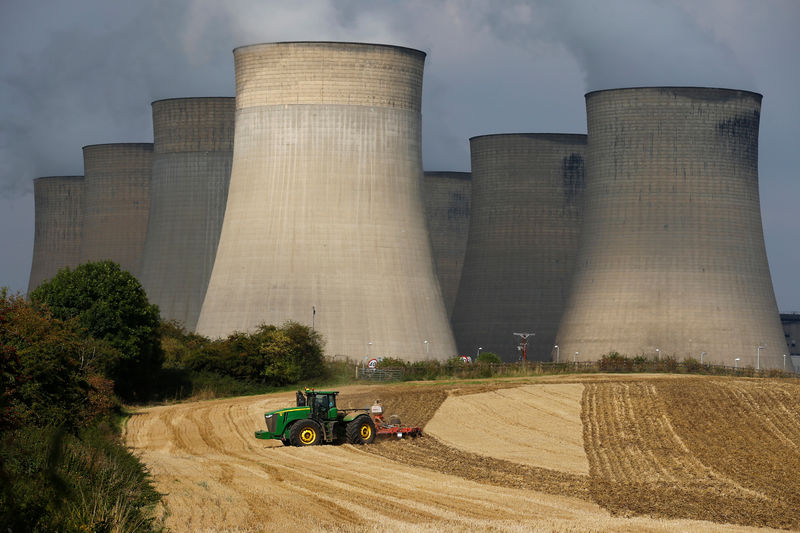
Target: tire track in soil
[
  {"x": 428, "y": 452},
  {"x": 661, "y": 448}
]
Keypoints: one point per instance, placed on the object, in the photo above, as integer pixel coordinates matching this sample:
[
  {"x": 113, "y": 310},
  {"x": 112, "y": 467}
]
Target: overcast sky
[{"x": 83, "y": 72}]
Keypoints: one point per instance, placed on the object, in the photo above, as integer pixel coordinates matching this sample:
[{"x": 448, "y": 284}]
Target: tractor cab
[{"x": 322, "y": 403}]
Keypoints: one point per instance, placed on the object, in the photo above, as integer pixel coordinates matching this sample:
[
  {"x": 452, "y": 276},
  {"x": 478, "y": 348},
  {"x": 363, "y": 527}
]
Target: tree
[
  {"x": 112, "y": 306},
  {"x": 44, "y": 374}
]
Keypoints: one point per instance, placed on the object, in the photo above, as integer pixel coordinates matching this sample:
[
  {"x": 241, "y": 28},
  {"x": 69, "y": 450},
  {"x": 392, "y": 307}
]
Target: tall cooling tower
[
  {"x": 672, "y": 259},
  {"x": 523, "y": 237},
  {"x": 58, "y": 203},
  {"x": 447, "y": 198},
  {"x": 324, "y": 220},
  {"x": 117, "y": 203},
  {"x": 192, "y": 150}
]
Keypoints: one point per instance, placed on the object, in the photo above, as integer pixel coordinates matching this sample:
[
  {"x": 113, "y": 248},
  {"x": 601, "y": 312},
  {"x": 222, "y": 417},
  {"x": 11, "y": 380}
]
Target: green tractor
[{"x": 316, "y": 419}]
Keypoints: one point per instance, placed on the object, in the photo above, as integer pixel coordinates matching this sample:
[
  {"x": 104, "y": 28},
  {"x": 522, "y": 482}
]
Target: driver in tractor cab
[
  {"x": 320, "y": 407},
  {"x": 377, "y": 413}
]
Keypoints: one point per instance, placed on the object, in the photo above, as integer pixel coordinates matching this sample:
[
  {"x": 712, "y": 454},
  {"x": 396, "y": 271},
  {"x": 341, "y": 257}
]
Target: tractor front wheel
[
  {"x": 305, "y": 433},
  {"x": 361, "y": 430}
]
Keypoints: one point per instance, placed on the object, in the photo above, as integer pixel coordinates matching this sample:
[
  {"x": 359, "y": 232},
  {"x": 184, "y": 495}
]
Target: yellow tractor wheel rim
[
  {"x": 308, "y": 435},
  {"x": 366, "y": 431}
]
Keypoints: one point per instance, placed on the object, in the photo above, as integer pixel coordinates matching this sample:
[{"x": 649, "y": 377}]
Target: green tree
[{"x": 112, "y": 306}]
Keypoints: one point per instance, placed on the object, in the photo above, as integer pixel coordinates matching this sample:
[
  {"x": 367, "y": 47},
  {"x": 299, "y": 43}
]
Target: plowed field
[{"x": 658, "y": 454}]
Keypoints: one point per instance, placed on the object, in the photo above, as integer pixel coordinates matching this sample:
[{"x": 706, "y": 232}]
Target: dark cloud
[{"x": 84, "y": 72}]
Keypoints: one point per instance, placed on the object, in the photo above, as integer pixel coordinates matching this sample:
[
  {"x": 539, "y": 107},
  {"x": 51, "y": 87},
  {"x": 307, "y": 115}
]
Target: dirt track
[{"x": 218, "y": 477}]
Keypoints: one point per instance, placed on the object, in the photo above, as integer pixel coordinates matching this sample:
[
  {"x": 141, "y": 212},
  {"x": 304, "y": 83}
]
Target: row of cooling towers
[{"x": 304, "y": 199}]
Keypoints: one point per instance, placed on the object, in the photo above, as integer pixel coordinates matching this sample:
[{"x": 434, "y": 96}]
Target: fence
[
  {"x": 434, "y": 370},
  {"x": 379, "y": 374}
]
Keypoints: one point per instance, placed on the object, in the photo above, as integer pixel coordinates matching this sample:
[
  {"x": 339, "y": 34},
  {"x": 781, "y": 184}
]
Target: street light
[
  {"x": 658, "y": 354},
  {"x": 701, "y": 357},
  {"x": 784, "y": 362},
  {"x": 557, "y": 352},
  {"x": 575, "y": 359},
  {"x": 369, "y": 345},
  {"x": 758, "y": 361},
  {"x": 736, "y": 363},
  {"x": 427, "y": 346},
  {"x": 479, "y": 352}
]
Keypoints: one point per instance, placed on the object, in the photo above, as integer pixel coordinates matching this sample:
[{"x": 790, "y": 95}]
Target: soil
[{"x": 651, "y": 465}]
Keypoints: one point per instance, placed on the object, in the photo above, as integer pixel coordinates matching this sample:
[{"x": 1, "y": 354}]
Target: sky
[{"x": 85, "y": 72}]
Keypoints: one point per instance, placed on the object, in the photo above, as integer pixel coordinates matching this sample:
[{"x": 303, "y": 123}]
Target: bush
[
  {"x": 691, "y": 364},
  {"x": 178, "y": 345},
  {"x": 615, "y": 362},
  {"x": 55, "y": 481},
  {"x": 391, "y": 362},
  {"x": 112, "y": 306},
  {"x": 270, "y": 355},
  {"x": 488, "y": 358}
]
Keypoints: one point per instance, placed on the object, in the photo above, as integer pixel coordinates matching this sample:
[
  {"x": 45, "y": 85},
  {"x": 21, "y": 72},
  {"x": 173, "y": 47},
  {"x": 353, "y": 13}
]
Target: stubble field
[{"x": 569, "y": 453}]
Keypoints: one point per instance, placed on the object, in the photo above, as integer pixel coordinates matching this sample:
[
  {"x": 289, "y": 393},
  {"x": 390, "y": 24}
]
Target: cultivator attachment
[
  {"x": 399, "y": 431},
  {"x": 394, "y": 427}
]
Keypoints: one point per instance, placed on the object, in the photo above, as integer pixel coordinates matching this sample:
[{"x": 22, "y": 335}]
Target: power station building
[
  {"x": 58, "y": 202},
  {"x": 117, "y": 203},
  {"x": 324, "y": 222},
  {"x": 672, "y": 260},
  {"x": 523, "y": 237},
  {"x": 192, "y": 150},
  {"x": 447, "y": 208}
]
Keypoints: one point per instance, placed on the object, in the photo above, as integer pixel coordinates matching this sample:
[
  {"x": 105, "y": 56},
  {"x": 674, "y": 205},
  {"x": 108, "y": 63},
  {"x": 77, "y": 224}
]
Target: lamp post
[
  {"x": 369, "y": 345},
  {"x": 784, "y": 362},
  {"x": 736, "y": 363},
  {"x": 758, "y": 361},
  {"x": 479, "y": 352},
  {"x": 313, "y": 315},
  {"x": 575, "y": 359},
  {"x": 658, "y": 354},
  {"x": 557, "y": 352},
  {"x": 701, "y": 357},
  {"x": 427, "y": 346}
]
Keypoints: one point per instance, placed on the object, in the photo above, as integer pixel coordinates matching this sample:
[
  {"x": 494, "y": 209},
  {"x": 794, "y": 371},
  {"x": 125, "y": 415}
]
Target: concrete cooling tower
[
  {"x": 447, "y": 198},
  {"x": 523, "y": 237},
  {"x": 324, "y": 223},
  {"x": 58, "y": 202},
  {"x": 117, "y": 203},
  {"x": 192, "y": 150},
  {"x": 672, "y": 259}
]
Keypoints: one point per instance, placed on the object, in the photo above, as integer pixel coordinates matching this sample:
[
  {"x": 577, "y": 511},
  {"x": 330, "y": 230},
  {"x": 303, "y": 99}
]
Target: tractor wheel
[
  {"x": 361, "y": 430},
  {"x": 305, "y": 433}
]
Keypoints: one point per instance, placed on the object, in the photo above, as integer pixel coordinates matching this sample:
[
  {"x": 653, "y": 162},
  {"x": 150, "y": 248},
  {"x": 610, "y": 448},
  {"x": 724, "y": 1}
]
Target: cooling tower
[
  {"x": 324, "y": 222},
  {"x": 117, "y": 202},
  {"x": 192, "y": 149},
  {"x": 58, "y": 202},
  {"x": 672, "y": 259},
  {"x": 447, "y": 197},
  {"x": 523, "y": 237}
]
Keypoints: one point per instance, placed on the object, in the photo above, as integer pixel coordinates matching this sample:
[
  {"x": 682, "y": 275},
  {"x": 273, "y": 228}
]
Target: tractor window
[{"x": 321, "y": 404}]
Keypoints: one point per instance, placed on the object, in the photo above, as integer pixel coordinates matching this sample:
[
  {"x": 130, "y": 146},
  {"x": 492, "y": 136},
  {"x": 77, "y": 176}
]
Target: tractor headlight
[{"x": 267, "y": 416}]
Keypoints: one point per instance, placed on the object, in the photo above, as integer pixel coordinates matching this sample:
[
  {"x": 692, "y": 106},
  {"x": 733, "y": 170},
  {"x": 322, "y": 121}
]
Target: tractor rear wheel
[
  {"x": 361, "y": 430},
  {"x": 305, "y": 433}
]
